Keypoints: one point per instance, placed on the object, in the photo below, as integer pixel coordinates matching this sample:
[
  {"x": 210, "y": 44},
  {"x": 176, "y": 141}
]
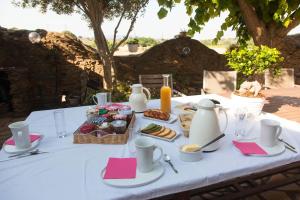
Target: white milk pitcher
[
  {"x": 20, "y": 133},
  {"x": 205, "y": 125},
  {"x": 138, "y": 100}
]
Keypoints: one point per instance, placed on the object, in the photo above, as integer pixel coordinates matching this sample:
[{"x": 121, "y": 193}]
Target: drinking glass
[
  {"x": 60, "y": 124},
  {"x": 130, "y": 142},
  {"x": 129, "y": 148},
  {"x": 241, "y": 114}
]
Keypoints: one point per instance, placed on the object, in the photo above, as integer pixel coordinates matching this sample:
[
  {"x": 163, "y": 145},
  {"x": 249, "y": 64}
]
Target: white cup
[
  {"x": 270, "y": 132},
  {"x": 20, "y": 133},
  {"x": 102, "y": 98},
  {"x": 144, "y": 154}
]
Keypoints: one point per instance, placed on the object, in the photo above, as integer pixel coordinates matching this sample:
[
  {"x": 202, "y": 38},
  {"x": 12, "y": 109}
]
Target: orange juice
[{"x": 165, "y": 96}]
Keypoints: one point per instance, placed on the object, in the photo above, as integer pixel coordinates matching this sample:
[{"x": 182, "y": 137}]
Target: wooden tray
[{"x": 80, "y": 138}]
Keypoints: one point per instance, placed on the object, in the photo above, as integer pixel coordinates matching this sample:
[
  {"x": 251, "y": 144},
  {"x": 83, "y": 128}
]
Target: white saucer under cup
[
  {"x": 140, "y": 179},
  {"x": 12, "y": 149}
]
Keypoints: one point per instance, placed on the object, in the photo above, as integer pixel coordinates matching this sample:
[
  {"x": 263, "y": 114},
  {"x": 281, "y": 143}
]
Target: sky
[{"x": 147, "y": 25}]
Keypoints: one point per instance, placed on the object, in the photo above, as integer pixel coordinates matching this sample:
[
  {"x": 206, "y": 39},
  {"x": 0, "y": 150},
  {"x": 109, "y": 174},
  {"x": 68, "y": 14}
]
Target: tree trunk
[
  {"x": 269, "y": 34},
  {"x": 105, "y": 56}
]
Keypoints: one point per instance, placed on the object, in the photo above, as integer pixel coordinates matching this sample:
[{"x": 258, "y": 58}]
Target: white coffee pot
[
  {"x": 137, "y": 99},
  {"x": 205, "y": 125}
]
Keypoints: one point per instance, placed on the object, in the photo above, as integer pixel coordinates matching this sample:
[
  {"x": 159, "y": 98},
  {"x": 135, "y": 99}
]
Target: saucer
[
  {"x": 13, "y": 150},
  {"x": 140, "y": 179},
  {"x": 278, "y": 149}
]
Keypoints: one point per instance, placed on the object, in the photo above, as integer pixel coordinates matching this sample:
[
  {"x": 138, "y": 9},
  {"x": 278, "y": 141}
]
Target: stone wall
[
  {"x": 185, "y": 58},
  {"x": 40, "y": 74},
  {"x": 291, "y": 53}
]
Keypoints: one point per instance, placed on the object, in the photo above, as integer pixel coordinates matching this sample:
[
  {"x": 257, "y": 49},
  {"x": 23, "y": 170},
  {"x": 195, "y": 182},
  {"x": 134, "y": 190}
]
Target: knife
[{"x": 23, "y": 156}]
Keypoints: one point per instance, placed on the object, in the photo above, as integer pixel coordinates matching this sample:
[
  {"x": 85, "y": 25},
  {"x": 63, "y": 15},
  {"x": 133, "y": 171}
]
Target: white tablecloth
[{"x": 72, "y": 171}]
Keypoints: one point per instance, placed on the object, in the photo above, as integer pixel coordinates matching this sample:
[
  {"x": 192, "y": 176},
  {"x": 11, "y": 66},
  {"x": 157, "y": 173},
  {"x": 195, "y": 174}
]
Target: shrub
[
  {"x": 132, "y": 41},
  {"x": 147, "y": 42},
  {"x": 120, "y": 93},
  {"x": 253, "y": 61}
]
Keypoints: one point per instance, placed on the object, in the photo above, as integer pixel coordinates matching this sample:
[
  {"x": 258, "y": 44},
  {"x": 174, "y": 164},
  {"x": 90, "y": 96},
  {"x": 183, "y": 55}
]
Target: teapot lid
[
  {"x": 206, "y": 104},
  {"x": 136, "y": 85}
]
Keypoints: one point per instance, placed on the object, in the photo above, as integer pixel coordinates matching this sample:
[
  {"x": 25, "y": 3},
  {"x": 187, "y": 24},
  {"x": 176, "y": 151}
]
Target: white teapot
[
  {"x": 138, "y": 100},
  {"x": 205, "y": 125}
]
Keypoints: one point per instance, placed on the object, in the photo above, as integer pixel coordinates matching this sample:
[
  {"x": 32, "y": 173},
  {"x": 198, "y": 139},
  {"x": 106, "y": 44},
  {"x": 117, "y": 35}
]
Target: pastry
[{"x": 157, "y": 114}]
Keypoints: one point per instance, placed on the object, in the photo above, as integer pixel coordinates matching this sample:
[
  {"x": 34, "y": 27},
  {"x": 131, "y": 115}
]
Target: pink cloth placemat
[
  {"x": 32, "y": 137},
  {"x": 120, "y": 168},
  {"x": 249, "y": 148}
]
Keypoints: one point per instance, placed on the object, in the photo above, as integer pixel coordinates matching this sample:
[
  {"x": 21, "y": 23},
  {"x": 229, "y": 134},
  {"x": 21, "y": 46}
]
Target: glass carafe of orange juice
[{"x": 165, "y": 95}]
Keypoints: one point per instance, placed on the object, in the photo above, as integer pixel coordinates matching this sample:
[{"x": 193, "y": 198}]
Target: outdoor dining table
[{"x": 73, "y": 171}]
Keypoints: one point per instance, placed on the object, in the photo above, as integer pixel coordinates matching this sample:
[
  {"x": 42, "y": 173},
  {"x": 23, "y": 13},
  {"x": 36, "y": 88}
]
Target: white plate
[
  {"x": 171, "y": 120},
  {"x": 271, "y": 151},
  {"x": 13, "y": 150},
  {"x": 161, "y": 138},
  {"x": 140, "y": 179}
]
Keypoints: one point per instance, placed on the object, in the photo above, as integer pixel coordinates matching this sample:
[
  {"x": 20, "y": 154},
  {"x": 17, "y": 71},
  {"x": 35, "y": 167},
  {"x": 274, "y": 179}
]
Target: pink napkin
[
  {"x": 249, "y": 148},
  {"x": 120, "y": 168},
  {"x": 33, "y": 138}
]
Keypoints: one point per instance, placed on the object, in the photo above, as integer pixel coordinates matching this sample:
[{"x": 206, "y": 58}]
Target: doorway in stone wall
[{"x": 5, "y": 98}]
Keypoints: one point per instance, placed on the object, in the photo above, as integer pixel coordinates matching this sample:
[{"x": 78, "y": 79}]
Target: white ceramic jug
[
  {"x": 205, "y": 125},
  {"x": 137, "y": 99}
]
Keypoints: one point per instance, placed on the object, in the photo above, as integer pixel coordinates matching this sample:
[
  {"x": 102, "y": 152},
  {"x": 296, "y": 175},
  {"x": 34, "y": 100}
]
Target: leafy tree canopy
[
  {"x": 276, "y": 17},
  {"x": 111, "y": 8},
  {"x": 95, "y": 11}
]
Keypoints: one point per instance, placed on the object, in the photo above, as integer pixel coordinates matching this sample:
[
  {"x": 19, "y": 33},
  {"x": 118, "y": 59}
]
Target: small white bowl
[{"x": 190, "y": 156}]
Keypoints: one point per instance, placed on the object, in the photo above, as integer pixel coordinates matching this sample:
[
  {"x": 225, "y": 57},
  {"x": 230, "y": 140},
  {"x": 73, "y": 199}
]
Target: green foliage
[
  {"x": 132, "y": 41},
  {"x": 120, "y": 93},
  {"x": 272, "y": 12},
  {"x": 143, "y": 41},
  {"x": 147, "y": 41},
  {"x": 111, "y": 8},
  {"x": 255, "y": 60}
]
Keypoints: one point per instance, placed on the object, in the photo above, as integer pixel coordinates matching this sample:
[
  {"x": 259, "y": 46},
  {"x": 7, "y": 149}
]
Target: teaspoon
[{"x": 168, "y": 160}]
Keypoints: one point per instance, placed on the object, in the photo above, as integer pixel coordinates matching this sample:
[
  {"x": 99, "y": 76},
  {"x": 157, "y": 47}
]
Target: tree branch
[
  {"x": 283, "y": 31},
  {"x": 82, "y": 6},
  {"x": 130, "y": 28},
  {"x": 117, "y": 27}
]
